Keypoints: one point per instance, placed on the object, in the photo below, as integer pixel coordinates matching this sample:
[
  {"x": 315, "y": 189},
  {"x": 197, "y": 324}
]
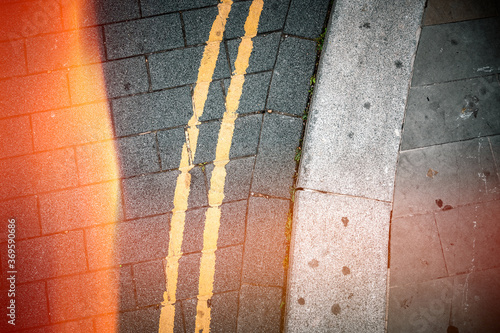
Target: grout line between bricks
[
  {"x": 39, "y": 216},
  {"x": 158, "y": 152},
  {"x": 85, "y": 250},
  {"x": 104, "y": 44},
  {"x": 183, "y": 28},
  {"x": 140, "y": 8},
  {"x": 47, "y": 300},
  {"x": 78, "y": 180},
  {"x": 134, "y": 284},
  {"x": 148, "y": 71}
]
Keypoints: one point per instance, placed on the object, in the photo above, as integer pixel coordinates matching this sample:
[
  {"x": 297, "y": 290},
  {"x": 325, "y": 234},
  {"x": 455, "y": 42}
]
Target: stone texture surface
[
  {"x": 452, "y": 111},
  {"x": 445, "y": 228},
  {"x": 465, "y": 174},
  {"x": 358, "y": 104},
  {"x": 419, "y": 258},
  {"x": 420, "y": 307},
  {"x": 260, "y": 309},
  {"x": 338, "y": 269},
  {"x": 441, "y": 49},
  {"x": 275, "y": 167}
]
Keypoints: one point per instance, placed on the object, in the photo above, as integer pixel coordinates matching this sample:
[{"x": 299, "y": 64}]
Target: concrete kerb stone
[{"x": 340, "y": 236}]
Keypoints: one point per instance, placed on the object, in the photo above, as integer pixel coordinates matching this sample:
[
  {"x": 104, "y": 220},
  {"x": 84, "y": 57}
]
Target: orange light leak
[{"x": 58, "y": 166}]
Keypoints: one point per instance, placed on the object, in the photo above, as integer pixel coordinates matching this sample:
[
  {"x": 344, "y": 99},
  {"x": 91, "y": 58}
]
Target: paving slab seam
[{"x": 339, "y": 194}]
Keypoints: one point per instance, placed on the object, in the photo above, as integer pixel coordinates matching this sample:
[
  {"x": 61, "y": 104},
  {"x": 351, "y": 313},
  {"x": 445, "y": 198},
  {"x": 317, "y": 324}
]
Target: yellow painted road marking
[
  {"x": 217, "y": 181},
  {"x": 205, "y": 73}
]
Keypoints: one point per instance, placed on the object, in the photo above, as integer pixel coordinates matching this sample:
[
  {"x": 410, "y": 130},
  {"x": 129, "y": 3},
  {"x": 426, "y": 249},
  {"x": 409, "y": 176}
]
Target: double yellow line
[{"x": 217, "y": 181}]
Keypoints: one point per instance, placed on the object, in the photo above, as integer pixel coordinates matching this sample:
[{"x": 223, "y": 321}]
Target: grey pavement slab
[
  {"x": 238, "y": 178},
  {"x": 306, "y": 18},
  {"x": 91, "y": 289},
  {"x": 445, "y": 176},
  {"x": 146, "y": 194},
  {"x": 264, "y": 52},
  {"x": 152, "y": 111},
  {"x": 439, "y": 11},
  {"x": 495, "y": 149},
  {"x": 13, "y": 62},
  {"x": 25, "y": 212},
  {"x": 18, "y": 96},
  {"x": 96, "y": 162},
  {"x": 228, "y": 262},
  {"x": 125, "y": 77},
  {"x": 79, "y": 207},
  {"x": 143, "y": 36},
  {"x": 134, "y": 241},
  {"x": 121, "y": 77},
  {"x": 187, "y": 61},
  {"x": 14, "y": 18},
  {"x": 31, "y": 306},
  {"x": 259, "y": 309},
  {"x": 189, "y": 276},
  {"x": 244, "y": 142},
  {"x": 254, "y": 94},
  {"x": 152, "y": 7},
  {"x": 272, "y": 17},
  {"x": 420, "y": 307},
  {"x": 476, "y": 301},
  {"x": 227, "y": 272},
  {"x": 265, "y": 242},
  {"x": 77, "y": 326},
  {"x": 452, "y": 111},
  {"x": 417, "y": 258},
  {"x": 215, "y": 104},
  {"x": 231, "y": 230},
  {"x": 470, "y": 237},
  {"x": 275, "y": 165},
  {"x": 67, "y": 256},
  {"x": 145, "y": 320},
  {"x": 138, "y": 155},
  {"x": 338, "y": 269},
  {"x": 19, "y": 144},
  {"x": 95, "y": 12},
  {"x": 359, "y": 101},
  {"x": 75, "y": 125},
  {"x": 457, "y": 51},
  {"x": 198, "y": 24},
  {"x": 54, "y": 51},
  {"x": 52, "y": 170},
  {"x": 291, "y": 76},
  {"x": 224, "y": 313},
  {"x": 149, "y": 282},
  {"x": 170, "y": 144}
]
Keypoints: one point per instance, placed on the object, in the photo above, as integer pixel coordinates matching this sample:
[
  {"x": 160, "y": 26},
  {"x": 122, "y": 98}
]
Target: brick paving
[{"x": 110, "y": 83}]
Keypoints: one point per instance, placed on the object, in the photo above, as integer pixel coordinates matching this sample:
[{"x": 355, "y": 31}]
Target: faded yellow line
[
  {"x": 218, "y": 179},
  {"x": 182, "y": 188}
]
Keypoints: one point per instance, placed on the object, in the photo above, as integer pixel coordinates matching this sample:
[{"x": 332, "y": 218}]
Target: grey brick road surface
[{"x": 55, "y": 178}]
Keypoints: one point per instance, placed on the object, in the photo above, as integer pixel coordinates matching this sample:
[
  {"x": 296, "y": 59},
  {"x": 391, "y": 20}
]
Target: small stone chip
[
  {"x": 346, "y": 270},
  {"x": 301, "y": 301},
  {"x": 345, "y": 220},
  {"x": 431, "y": 173},
  {"x": 336, "y": 309}
]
